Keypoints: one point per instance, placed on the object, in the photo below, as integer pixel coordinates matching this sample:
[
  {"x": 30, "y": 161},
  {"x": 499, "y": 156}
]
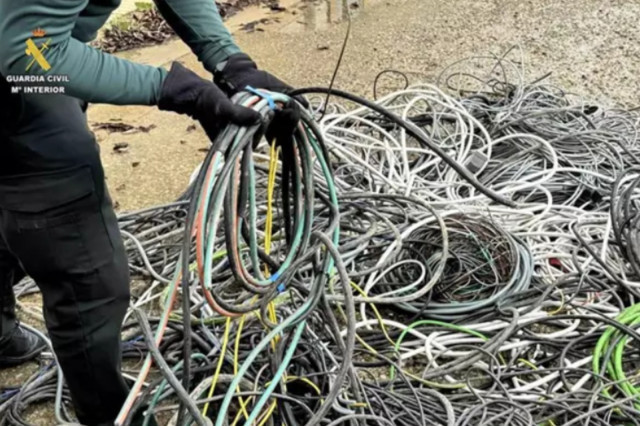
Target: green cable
[
  {"x": 392, "y": 369},
  {"x": 158, "y": 393},
  {"x": 276, "y": 378},
  {"x": 299, "y": 231},
  {"x": 288, "y": 322},
  {"x": 330, "y": 184},
  {"x": 253, "y": 219},
  {"x": 630, "y": 317},
  {"x": 220, "y": 421},
  {"x": 208, "y": 254}
]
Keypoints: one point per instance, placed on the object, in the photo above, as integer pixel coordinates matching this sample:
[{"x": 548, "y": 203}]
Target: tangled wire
[{"x": 459, "y": 254}]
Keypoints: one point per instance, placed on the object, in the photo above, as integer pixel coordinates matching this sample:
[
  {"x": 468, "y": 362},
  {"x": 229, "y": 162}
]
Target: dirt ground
[{"x": 592, "y": 47}]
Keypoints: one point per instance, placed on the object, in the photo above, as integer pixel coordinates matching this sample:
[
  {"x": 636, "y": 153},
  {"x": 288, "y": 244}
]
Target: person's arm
[
  {"x": 93, "y": 75},
  {"x": 199, "y": 25}
]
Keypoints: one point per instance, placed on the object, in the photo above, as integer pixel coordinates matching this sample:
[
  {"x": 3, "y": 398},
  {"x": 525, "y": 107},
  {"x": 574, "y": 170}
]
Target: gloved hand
[
  {"x": 187, "y": 93},
  {"x": 239, "y": 71}
]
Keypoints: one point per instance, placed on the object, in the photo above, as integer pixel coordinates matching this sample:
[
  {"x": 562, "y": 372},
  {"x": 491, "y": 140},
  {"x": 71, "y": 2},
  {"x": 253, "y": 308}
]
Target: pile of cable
[{"x": 464, "y": 253}]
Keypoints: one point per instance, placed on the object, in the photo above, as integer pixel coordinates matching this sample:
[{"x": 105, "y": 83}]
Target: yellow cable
[
  {"x": 274, "y": 153},
  {"x": 236, "y": 350},
  {"x": 375, "y": 311},
  {"x": 386, "y": 334},
  {"x": 225, "y": 341},
  {"x": 271, "y": 183},
  {"x": 359, "y": 405},
  {"x": 533, "y": 367},
  {"x": 271, "y": 310},
  {"x": 268, "y": 414},
  {"x": 305, "y": 380},
  {"x": 288, "y": 379},
  {"x": 561, "y": 307},
  {"x": 365, "y": 344},
  {"x": 528, "y": 363}
]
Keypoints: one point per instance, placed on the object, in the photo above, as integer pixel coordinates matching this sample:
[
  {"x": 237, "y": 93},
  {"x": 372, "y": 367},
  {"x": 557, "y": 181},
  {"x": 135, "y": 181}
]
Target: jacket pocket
[{"x": 55, "y": 222}]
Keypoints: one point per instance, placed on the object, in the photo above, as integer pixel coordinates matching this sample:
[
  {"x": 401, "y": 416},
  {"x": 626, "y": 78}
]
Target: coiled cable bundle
[{"x": 242, "y": 267}]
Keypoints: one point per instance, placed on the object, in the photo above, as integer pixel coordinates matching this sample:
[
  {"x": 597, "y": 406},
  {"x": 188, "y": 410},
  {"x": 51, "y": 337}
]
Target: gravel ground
[{"x": 592, "y": 47}]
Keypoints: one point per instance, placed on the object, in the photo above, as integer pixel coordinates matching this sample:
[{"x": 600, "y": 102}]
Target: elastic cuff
[
  {"x": 157, "y": 92},
  {"x": 215, "y": 56}
]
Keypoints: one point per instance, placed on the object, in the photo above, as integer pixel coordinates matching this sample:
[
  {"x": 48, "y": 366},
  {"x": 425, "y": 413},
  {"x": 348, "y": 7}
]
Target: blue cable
[{"x": 270, "y": 101}]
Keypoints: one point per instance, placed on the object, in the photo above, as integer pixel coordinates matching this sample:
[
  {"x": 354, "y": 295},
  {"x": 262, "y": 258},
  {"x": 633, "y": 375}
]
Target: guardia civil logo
[{"x": 36, "y": 52}]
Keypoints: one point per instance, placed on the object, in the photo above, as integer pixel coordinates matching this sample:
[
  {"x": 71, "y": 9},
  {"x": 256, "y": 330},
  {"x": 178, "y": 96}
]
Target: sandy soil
[{"x": 591, "y": 47}]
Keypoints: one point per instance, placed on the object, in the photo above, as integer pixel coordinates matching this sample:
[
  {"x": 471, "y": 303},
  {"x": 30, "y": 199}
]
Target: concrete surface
[{"x": 592, "y": 47}]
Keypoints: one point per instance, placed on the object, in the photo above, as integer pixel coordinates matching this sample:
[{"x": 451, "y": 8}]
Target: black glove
[
  {"x": 187, "y": 93},
  {"x": 240, "y": 71}
]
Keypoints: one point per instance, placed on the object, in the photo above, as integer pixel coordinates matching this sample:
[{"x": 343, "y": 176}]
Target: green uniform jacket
[{"x": 93, "y": 75}]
